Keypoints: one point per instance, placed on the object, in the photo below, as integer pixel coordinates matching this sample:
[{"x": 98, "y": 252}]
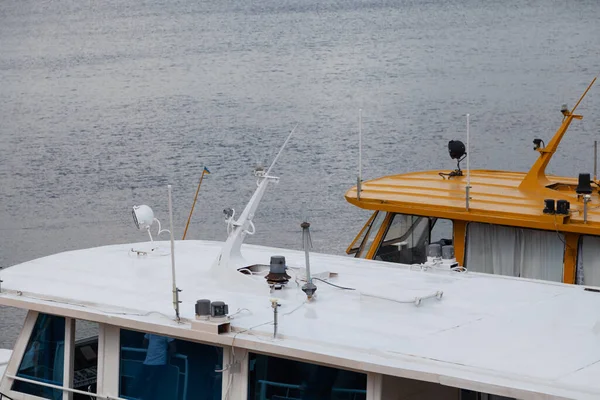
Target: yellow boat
[{"x": 523, "y": 224}]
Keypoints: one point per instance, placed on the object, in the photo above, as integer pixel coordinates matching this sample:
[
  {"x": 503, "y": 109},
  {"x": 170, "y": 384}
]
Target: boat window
[
  {"x": 43, "y": 360},
  {"x": 362, "y": 243},
  {"x": 405, "y": 240},
  {"x": 506, "y": 250},
  {"x": 85, "y": 358},
  {"x": 393, "y": 387},
  {"x": 277, "y": 378},
  {"x": 471, "y": 395},
  {"x": 358, "y": 240},
  {"x": 588, "y": 261},
  {"x": 159, "y": 367},
  {"x": 441, "y": 231}
]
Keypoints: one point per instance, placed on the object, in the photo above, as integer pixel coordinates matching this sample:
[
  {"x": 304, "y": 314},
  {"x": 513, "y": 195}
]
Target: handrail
[{"x": 62, "y": 388}]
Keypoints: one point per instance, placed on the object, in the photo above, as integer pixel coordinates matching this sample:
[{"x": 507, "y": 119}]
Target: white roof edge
[{"x": 448, "y": 374}]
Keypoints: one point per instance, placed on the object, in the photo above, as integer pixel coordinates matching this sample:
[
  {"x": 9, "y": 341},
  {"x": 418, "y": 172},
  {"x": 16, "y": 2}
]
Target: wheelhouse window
[
  {"x": 276, "y": 378},
  {"x": 407, "y": 236},
  {"x": 43, "y": 360},
  {"x": 362, "y": 243},
  {"x": 85, "y": 358},
  {"x": 506, "y": 250},
  {"x": 588, "y": 261},
  {"x": 160, "y": 367}
]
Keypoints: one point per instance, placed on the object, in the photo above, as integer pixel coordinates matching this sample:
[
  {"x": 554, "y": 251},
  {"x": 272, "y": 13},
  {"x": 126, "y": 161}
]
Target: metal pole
[
  {"x": 275, "y": 305},
  {"x": 193, "y": 204},
  {"x": 586, "y": 199},
  {"x": 309, "y": 287},
  {"x": 359, "y": 179},
  {"x": 595, "y": 159},
  {"x": 175, "y": 290},
  {"x": 468, "y": 187}
]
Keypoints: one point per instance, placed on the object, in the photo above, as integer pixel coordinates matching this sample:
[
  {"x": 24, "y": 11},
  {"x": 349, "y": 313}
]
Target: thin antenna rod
[
  {"x": 584, "y": 93},
  {"x": 595, "y": 160},
  {"x": 281, "y": 149},
  {"x": 359, "y": 178},
  {"x": 187, "y": 225},
  {"x": 468, "y": 152},
  {"x": 175, "y": 289},
  {"x": 468, "y": 187}
]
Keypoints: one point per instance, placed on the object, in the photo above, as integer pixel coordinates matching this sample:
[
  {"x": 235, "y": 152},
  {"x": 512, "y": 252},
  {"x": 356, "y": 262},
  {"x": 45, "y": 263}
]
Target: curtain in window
[
  {"x": 588, "y": 261},
  {"x": 503, "y": 250}
]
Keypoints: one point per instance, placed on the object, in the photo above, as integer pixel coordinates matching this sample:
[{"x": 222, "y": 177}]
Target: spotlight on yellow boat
[{"x": 456, "y": 148}]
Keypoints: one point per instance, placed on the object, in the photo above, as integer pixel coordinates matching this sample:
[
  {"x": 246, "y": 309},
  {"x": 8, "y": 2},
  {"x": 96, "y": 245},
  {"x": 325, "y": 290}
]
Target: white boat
[{"x": 219, "y": 329}]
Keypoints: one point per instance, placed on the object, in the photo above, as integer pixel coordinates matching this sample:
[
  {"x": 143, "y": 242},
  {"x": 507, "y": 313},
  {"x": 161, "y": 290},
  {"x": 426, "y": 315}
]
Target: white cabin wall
[
  {"x": 109, "y": 342},
  {"x": 374, "y": 386},
  {"x": 394, "y": 388},
  {"x": 235, "y": 374},
  {"x": 69, "y": 357}
]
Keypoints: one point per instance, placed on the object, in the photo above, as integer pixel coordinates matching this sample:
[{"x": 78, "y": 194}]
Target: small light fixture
[
  {"x": 565, "y": 110},
  {"x": 143, "y": 217}
]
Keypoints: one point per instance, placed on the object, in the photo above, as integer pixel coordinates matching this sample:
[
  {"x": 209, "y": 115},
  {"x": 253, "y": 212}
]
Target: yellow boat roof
[{"x": 495, "y": 197}]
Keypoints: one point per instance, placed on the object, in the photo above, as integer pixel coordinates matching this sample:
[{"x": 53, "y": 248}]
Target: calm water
[{"x": 102, "y": 104}]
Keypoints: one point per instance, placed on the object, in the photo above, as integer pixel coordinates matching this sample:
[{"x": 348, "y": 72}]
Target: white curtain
[
  {"x": 588, "y": 261},
  {"x": 505, "y": 250}
]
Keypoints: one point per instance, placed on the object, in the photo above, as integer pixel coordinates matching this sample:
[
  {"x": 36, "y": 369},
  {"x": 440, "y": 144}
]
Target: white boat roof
[{"x": 494, "y": 334}]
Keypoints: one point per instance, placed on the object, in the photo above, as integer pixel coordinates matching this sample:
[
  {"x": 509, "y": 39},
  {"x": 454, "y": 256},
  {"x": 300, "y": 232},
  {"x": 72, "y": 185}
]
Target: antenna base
[{"x": 309, "y": 288}]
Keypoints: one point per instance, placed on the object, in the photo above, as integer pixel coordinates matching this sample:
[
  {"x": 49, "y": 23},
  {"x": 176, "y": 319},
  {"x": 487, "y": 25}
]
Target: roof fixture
[
  {"x": 457, "y": 152},
  {"x": 277, "y": 277},
  {"x": 562, "y": 207},
  {"x": 309, "y": 287},
  {"x": 586, "y": 199},
  {"x": 203, "y": 309},
  {"x": 549, "y": 206},
  {"x": 143, "y": 217},
  {"x": 538, "y": 143},
  {"x": 218, "y": 309},
  {"x": 584, "y": 184}
]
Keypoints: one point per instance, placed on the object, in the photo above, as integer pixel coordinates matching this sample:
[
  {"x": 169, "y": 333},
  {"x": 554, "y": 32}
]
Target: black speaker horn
[{"x": 584, "y": 186}]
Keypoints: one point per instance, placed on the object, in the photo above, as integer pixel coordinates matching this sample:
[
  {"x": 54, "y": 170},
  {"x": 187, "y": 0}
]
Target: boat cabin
[
  {"x": 100, "y": 325},
  {"x": 509, "y": 223}
]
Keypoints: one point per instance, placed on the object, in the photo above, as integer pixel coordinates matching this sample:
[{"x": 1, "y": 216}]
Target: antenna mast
[
  {"x": 468, "y": 187},
  {"x": 359, "y": 177},
  {"x": 175, "y": 289},
  {"x": 231, "y": 252},
  {"x": 204, "y": 170}
]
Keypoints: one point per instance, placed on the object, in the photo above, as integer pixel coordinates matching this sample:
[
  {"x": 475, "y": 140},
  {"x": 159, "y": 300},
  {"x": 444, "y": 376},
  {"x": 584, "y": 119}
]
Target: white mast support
[
  {"x": 359, "y": 179},
  {"x": 175, "y": 289},
  {"x": 231, "y": 255},
  {"x": 468, "y": 187}
]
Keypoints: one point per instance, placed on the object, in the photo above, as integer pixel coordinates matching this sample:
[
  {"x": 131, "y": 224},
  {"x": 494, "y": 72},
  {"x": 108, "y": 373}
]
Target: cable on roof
[{"x": 333, "y": 284}]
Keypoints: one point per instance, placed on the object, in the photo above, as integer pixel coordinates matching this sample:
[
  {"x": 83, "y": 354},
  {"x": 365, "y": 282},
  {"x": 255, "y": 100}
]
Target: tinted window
[
  {"x": 276, "y": 378},
  {"x": 43, "y": 360}
]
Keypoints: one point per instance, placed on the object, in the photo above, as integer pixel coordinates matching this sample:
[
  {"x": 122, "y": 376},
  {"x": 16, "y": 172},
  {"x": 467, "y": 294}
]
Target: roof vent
[
  {"x": 584, "y": 186},
  {"x": 277, "y": 275}
]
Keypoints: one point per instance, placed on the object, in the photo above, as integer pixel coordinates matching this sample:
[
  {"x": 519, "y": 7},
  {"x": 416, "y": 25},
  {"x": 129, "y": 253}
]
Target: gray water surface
[{"x": 102, "y": 104}]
